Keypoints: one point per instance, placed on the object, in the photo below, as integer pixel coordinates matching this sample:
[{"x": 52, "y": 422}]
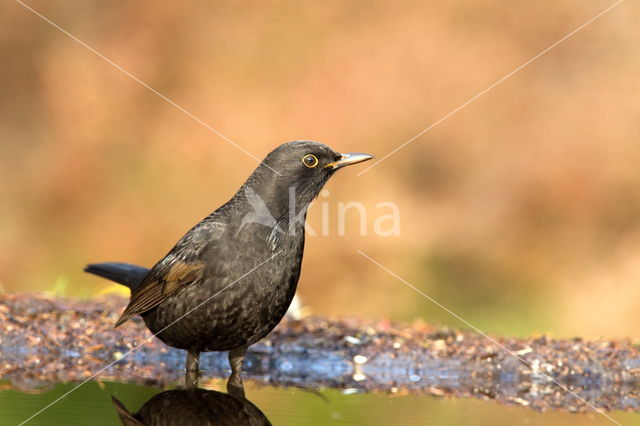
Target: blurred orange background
[{"x": 521, "y": 212}]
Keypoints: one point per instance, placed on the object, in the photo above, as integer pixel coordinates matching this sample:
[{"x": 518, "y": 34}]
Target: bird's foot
[
  {"x": 234, "y": 384},
  {"x": 192, "y": 370},
  {"x": 235, "y": 387},
  {"x": 191, "y": 379}
]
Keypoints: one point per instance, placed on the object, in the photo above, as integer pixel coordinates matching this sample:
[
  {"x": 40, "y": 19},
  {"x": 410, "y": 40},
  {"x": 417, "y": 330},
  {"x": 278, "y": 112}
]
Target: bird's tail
[
  {"x": 122, "y": 273},
  {"x": 126, "y": 417}
]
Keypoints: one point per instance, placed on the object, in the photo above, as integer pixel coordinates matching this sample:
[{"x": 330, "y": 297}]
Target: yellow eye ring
[{"x": 310, "y": 161}]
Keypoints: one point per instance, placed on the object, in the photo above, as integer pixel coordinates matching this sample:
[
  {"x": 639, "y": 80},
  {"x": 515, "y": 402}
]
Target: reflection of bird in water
[
  {"x": 230, "y": 279},
  {"x": 193, "y": 407}
]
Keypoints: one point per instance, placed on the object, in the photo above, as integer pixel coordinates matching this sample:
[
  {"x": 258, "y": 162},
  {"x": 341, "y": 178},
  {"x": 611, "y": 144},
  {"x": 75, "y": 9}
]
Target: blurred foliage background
[{"x": 521, "y": 212}]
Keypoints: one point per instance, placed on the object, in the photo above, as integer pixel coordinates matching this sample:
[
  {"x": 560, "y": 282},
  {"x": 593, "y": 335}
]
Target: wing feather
[
  {"x": 158, "y": 286},
  {"x": 182, "y": 266}
]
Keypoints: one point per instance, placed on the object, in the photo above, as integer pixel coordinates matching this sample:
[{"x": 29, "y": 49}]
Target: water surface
[{"x": 91, "y": 404}]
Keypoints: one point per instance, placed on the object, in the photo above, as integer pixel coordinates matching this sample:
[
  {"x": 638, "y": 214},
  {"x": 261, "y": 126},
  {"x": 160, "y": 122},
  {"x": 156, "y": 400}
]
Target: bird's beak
[{"x": 349, "y": 159}]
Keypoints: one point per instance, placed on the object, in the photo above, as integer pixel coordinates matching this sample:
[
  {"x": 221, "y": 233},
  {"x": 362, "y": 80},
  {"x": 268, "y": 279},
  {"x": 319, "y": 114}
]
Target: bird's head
[{"x": 299, "y": 168}]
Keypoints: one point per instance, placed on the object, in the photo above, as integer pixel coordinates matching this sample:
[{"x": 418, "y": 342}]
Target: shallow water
[
  {"x": 91, "y": 405},
  {"x": 365, "y": 372}
]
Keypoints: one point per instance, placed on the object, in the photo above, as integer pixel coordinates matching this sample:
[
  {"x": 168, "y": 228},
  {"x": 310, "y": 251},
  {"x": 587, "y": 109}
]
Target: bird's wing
[
  {"x": 160, "y": 284},
  {"x": 182, "y": 266}
]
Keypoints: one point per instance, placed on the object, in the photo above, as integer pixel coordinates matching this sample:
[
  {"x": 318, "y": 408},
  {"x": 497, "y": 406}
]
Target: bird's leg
[
  {"x": 234, "y": 384},
  {"x": 192, "y": 371}
]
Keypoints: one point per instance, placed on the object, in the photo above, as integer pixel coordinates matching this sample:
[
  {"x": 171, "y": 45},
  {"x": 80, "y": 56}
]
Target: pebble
[{"x": 360, "y": 359}]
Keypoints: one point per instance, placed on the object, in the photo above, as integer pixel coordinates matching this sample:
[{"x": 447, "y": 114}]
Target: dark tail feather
[
  {"x": 122, "y": 273},
  {"x": 126, "y": 417}
]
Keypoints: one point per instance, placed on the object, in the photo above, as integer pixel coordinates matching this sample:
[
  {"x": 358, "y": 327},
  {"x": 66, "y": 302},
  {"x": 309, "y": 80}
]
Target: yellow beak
[{"x": 349, "y": 159}]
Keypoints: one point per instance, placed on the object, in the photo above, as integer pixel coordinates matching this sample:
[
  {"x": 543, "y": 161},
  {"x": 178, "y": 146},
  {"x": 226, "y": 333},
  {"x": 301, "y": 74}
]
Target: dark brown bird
[
  {"x": 230, "y": 279},
  {"x": 193, "y": 407}
]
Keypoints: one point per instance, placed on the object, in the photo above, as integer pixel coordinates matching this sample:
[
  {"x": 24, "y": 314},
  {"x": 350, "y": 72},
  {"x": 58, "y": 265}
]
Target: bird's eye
[{"x": 310, "y": 161}]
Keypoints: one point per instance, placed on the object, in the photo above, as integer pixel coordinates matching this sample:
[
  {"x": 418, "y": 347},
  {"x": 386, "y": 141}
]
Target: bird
[
  {"x": 231, "y": 278},
  {"x": 193, "y": 407}
]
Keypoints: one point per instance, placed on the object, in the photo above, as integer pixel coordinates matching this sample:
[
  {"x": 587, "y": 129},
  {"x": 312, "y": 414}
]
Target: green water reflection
[{"x": 91, "y": 405}]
